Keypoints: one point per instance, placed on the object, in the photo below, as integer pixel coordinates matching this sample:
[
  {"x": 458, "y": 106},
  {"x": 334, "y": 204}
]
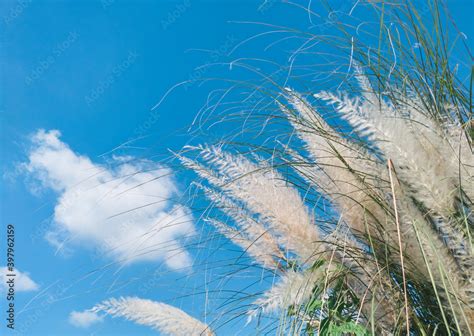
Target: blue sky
[{"x": 93, "y": 70}]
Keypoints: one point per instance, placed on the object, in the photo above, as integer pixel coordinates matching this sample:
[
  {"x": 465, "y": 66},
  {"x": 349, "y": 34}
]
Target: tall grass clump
[{"x": 355, "y": 193}]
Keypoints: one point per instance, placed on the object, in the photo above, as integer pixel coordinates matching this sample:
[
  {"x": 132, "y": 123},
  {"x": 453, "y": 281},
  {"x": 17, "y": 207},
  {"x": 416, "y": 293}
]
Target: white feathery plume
[
  {"x": 366, "y": 279},
  {"x": 396, "y": 136},
  {"x": 419, "y": 149},
  {"x": 434, "y": 248},
  {"x": 326, "y": 146},
  {"x": 417, "y": 146},
  {"x": 159, "y": 316},
  {"x": 323, "y": 150},
  {"x": 310, "y": 172},
  {"x": 293, "y": 289},
  {"x": 456, "y": 242},
  {"x": 434, "y": 259},
  {"x": 252, "y": 235},
  {"x": 346, "y": 172},
  {"x": 203, "y": 172},
  {"x": 264, "y": 192},
  {"x": 254, "y": 248},
  {"x": 253, "y": 227},
  {"x": 460, "y": 146},
  {"x": 292, "y": 282}
]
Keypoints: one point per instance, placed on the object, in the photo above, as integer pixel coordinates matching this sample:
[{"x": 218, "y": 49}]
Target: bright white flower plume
[
  {"x": 265, "y": 193},
  {"x": 162, "y": 317},
  {"x": 293, "y": 289}
]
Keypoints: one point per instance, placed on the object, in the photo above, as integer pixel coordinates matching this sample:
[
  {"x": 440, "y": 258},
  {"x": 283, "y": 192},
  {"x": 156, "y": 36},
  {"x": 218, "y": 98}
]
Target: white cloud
[
  {"x": 23, "y": 282},
  {"x": 123, "y": 209},
  {"x": 84, "y": 319}
]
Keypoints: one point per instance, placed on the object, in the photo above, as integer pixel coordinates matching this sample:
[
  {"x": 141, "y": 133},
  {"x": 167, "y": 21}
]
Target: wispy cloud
[
  {"x": 23, "y": 282},
  {"x": 84, "y": 319},
  {"x": 123, "y": 209}
]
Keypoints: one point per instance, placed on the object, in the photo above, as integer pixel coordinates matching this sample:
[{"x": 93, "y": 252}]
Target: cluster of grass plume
[{"x": 354, "y": 192}]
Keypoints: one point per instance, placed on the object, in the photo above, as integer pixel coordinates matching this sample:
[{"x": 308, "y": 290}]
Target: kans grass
[{"x": 356, "y": 197}]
